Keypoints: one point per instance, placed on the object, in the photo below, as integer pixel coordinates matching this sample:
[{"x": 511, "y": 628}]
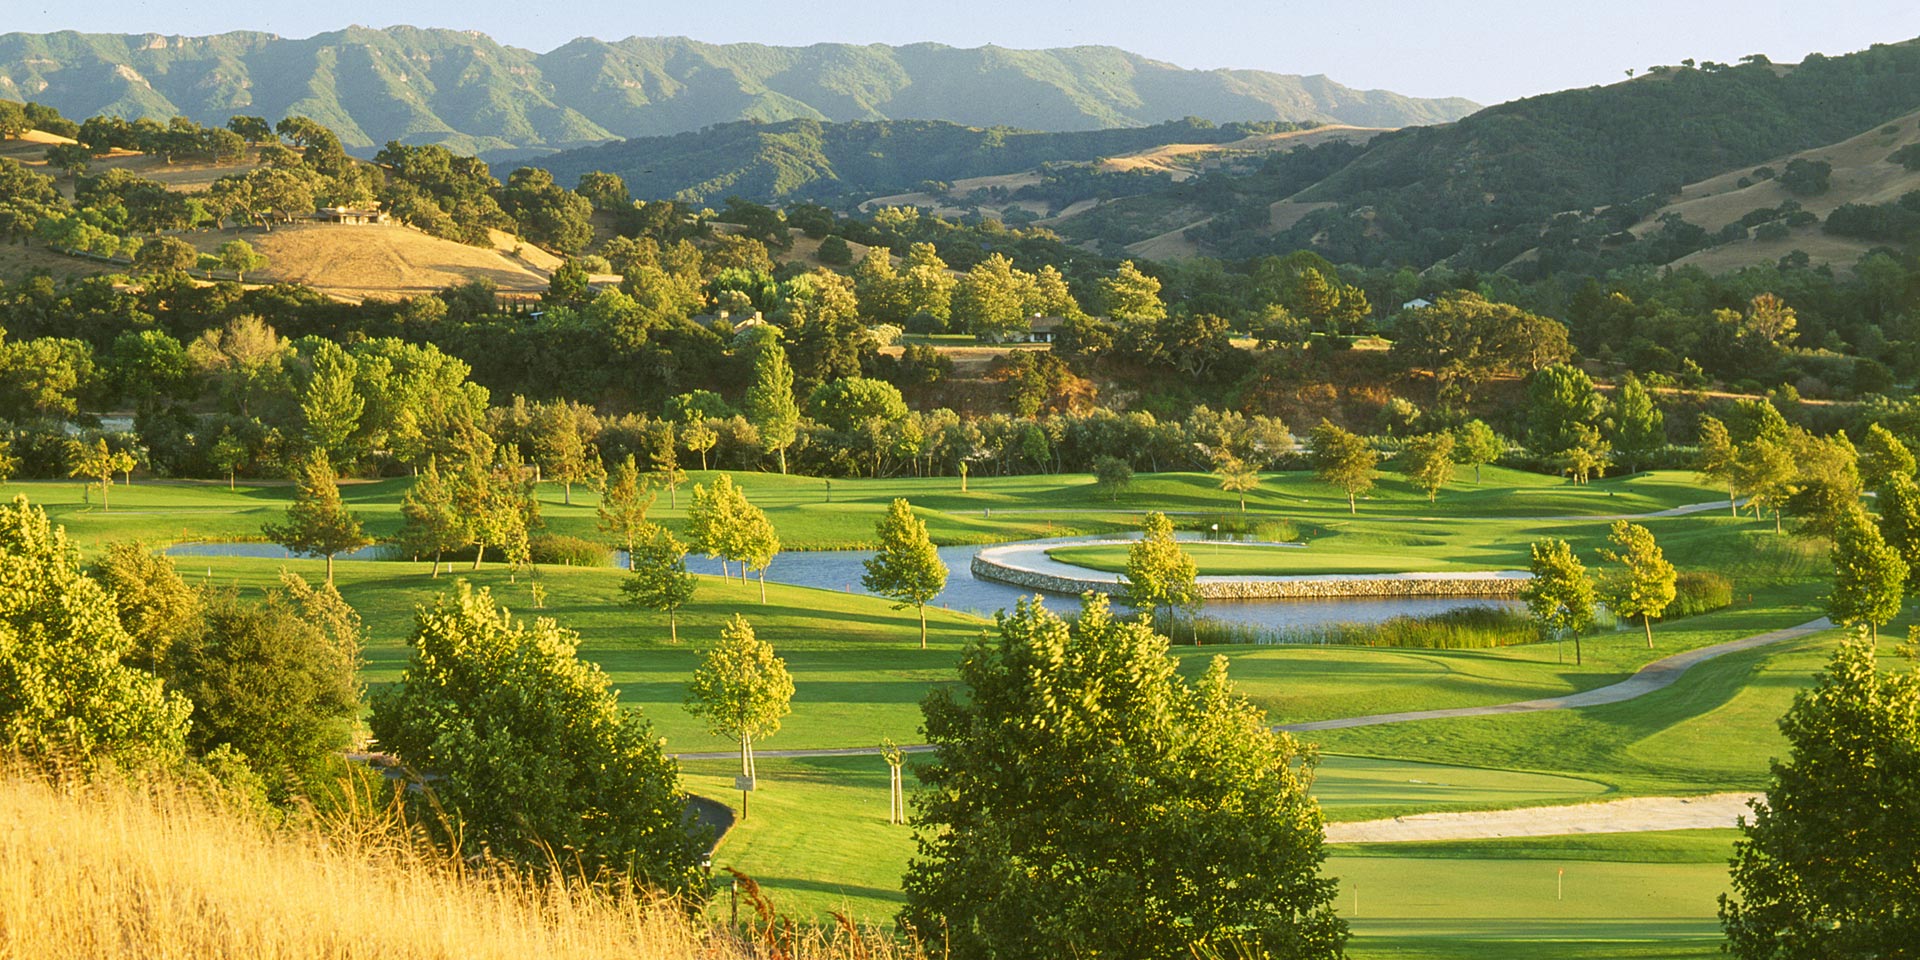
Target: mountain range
[{"x": 464, "y": 90}]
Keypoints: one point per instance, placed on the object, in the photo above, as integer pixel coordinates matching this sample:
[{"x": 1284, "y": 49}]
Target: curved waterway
[{"x": 841, "y": 570}]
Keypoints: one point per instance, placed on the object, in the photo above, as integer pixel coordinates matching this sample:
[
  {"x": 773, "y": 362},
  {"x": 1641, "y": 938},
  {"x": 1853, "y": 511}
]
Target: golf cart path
[
  {"x": 1634, "y": 815},
  {"x": 1658, "y": 675}
]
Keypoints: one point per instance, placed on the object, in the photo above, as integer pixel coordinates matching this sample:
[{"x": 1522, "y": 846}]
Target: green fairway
[
  {"x": 994, "y": 509},
  {"x": 818, "y": 838},
  {"x": 1714, "y": 731}
]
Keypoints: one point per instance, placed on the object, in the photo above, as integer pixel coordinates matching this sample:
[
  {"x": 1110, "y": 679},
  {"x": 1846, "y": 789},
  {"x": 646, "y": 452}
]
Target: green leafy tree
[
  {"x": 156, "y": 606},
  {"x": 230, "y": 453},
  {"x": 1635, "y": 426},
  {"x": 741, "y": 690},
  {"x": 663, "y": 452},
  {"x": 756, "y": 542},
  {"x": 1560, "y": 594},
  {"x": 770, "y": 404},
  {"x": 657, "y": 577},
  {"x": 1342, "y": 459},
  {"x": 431, "y": 521},
  {"x": 1646, "y": 587},
  {"x": 1899, "y": 506},
  {"x": 1764, "y": 469},
  {"x": 166, "y": 255},
  {"x": 98, "y": 461},
  {"x": 907, "y": 567},
  {"x": 1085, "y": 800},
  {"x": 1560, "y": 401},
  {"x": 318, "y": 523},
  {"x": 1160, "y": 573},
  {"x": 699, "y": 436},
  {"x": 1111, "y": 476},
  {"x": 563, "y": 444},
  {"x": 987, "y": 300},
  {"x": 269, "y": 681},
  {"x": 1475, "y": 443},
  {"x": 1428, "y": 462},
  {"x": 1882, "y": 455},
  {"x": 1238, "y": 477},
  {"x": 1869, "y": 577},
  {"x": 330, "y": 400},
  {"x": 625, "y": 499},
  {"x": 65, "y": 695},
  {"x": 1717, "y": 460},
  {"x": 712, "y": 521},
  {"x": 1825, "y": 866},
  {"x": 1132, "y": 297},
  {"x": 239, "y": 257},
  {"x": 531, "y": 751}
]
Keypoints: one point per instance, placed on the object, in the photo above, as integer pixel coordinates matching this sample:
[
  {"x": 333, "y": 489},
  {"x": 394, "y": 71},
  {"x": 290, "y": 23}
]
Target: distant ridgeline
[
  {"x": 1482, "y": 191},
  {"x": 463, "y": 90},
  {"x": 809, "y": 159}
]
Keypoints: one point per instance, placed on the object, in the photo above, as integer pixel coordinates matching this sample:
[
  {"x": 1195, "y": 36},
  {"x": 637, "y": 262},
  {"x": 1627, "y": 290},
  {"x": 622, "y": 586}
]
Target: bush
[
  {"x": 561, "y": 550},
  {"x": 1465, "y": 628},
  {"x": 1241, "y": 527},
  {"x": 1698, "y": 592}
]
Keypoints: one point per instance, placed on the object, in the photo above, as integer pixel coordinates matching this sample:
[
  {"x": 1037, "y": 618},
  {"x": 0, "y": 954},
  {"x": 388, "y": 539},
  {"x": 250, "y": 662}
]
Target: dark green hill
[
  {"x": 809, "y": 159},
  {"x": 467, "y": 92},
  {"x": 1475, "y": 186},
  {"x": 1559, "y": 177}
]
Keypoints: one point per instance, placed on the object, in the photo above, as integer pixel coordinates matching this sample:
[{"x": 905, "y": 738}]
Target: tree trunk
[
  {"x": 1733, "y": 502},
  {"x": 329, "y": 569},
  {"x": 783, "y": 460},
  {"x": 673, "y": 625},
  {"x": 105, "y": 482},
  {"x": 229, "y": 480},
  {"x": 1476, "y": 474},
  {"x": 436, "y": 564},
  {"x": 1576, "y": 650},
  {"x": 923, "y": 626},
  {"x": 1352, "y": 510},
  {"x": 479, "y": 551},
  {"x": 567, "y": 486},
  {"x": 763, "y": 585},
  {"x": 1647, "y": 620}
]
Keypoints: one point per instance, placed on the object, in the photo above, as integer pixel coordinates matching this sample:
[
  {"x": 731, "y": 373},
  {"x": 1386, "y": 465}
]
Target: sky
[{"x": 1485, "y": 50}]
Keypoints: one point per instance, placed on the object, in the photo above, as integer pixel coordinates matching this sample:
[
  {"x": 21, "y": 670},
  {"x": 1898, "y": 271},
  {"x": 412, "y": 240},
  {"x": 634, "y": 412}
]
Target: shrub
[
  {"x": 1698, "y": 592},
  {"x": 1465, "y": 628},
  {"x": 1241, "y": 527},
  {"x": 562, "y": 550}
]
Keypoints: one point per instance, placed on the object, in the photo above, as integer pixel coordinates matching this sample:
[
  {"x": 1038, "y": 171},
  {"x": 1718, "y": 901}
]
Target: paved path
[
  {"x": 1654, "y": 676},
  {"x": 1635, "y": 815}
]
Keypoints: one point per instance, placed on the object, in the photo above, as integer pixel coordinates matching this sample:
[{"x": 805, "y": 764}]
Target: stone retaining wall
[{"x": 1501, "y": 584}]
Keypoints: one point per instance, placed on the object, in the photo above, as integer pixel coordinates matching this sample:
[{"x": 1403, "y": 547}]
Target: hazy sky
[{"x": 1486, "y": 50}]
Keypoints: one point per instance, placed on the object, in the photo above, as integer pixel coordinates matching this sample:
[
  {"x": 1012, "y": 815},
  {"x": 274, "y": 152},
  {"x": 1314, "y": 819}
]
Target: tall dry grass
[{"x": 156, "y": 870}]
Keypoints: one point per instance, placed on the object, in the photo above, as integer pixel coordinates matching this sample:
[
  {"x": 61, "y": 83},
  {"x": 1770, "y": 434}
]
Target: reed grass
[{"x": 153, "y": 868}]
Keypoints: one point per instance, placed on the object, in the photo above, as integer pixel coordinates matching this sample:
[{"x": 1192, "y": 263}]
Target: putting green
[{"x": 817, "y": 838}]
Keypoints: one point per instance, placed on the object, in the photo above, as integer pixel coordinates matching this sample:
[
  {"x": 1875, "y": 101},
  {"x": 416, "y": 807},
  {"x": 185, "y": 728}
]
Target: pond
[{"x": 841, "y": 570}]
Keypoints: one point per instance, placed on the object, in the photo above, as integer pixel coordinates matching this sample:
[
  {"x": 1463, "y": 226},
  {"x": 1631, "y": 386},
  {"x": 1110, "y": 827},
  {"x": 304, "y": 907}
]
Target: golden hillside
[
  {"x": 1861, "y": 174},
  {"x": 156, "y": 871}
]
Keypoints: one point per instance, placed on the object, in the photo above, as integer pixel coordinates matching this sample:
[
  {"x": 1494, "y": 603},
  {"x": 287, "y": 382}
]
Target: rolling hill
[{"x": 465, "y": 91}]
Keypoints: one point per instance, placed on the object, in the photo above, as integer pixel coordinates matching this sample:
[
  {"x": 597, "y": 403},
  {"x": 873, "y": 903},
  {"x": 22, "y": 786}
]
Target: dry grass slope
[
  {"x": 375, "y": 261},
  {"x": 1861, "y": 174},
  {"x": 121, "y": 871}
]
